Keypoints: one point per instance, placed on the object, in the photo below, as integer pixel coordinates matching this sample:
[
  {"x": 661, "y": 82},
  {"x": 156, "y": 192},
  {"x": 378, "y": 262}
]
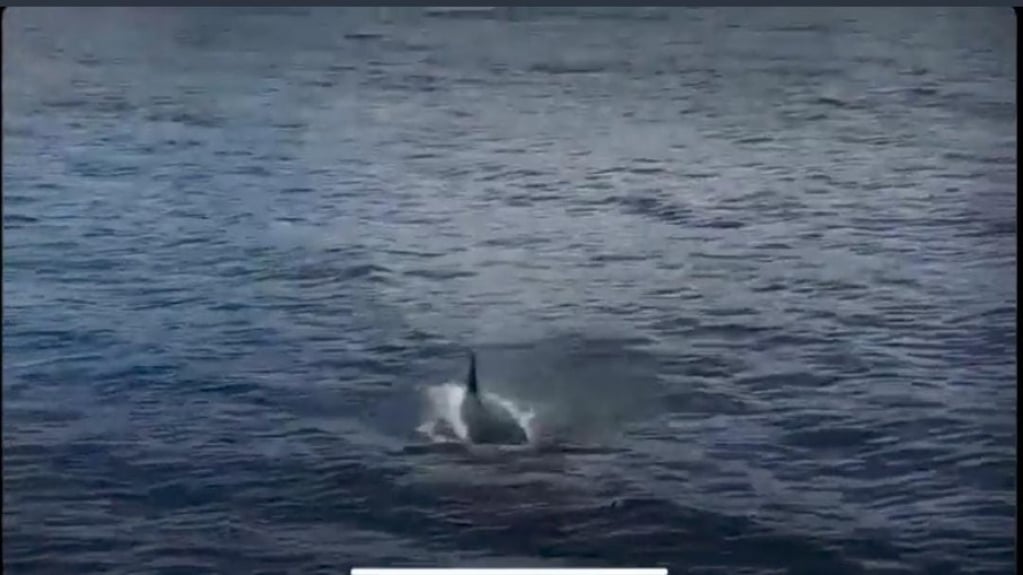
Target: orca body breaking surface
[{"x": 487, "y": 421}]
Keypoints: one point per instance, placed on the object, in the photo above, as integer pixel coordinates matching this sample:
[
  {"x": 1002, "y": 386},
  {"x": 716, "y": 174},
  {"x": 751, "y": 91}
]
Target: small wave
[{"x": 560, "y": 68}]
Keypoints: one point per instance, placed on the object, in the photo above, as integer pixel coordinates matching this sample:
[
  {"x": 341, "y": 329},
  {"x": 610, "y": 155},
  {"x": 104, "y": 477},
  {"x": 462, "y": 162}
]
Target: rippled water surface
[{"x": 754, "y": 269}]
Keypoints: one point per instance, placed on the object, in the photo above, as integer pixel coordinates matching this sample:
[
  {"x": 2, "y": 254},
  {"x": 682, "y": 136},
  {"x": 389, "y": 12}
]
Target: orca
[{"x": 487, "y": 421}]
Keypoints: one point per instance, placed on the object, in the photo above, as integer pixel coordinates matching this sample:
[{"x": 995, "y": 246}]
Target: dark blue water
[{"x": 754, "y": 268}]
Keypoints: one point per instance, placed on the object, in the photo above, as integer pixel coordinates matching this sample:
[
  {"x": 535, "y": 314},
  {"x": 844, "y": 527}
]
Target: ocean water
[{"x": 753, "y": 272}]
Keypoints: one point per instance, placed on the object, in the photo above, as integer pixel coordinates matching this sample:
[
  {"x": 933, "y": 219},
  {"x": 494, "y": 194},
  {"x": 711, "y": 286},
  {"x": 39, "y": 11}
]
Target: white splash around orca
[{"x": 464, "y": 413}]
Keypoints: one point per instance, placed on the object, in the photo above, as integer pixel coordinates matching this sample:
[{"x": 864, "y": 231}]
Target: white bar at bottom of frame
[{"x": 511, "y": 571}]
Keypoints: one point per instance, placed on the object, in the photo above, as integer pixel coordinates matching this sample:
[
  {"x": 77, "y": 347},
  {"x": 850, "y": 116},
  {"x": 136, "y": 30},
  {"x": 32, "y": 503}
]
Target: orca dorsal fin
[{"x": 471, "y": 383}]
